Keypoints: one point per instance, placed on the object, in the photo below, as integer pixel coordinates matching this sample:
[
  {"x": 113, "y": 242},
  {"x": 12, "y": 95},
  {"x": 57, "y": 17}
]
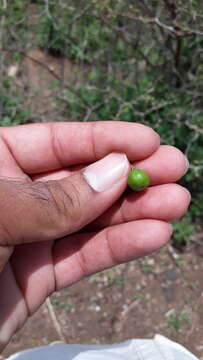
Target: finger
[
  {"x": 13, "y": 311},
  {"x": 57, "y": 174},
  {"x": 42, "y": 268},
  {"x": 43, "y": 147},
  {"x": 5, "y": 253},
  {"x": 8, "y": 166},
  {"x": 168, "y": 164},
  {"x": 84, "y": 254},
  {"x": 166, "y": 202},
  {"x": 9, "y": 169},
  {"x": 48, "y": 210},
  {"x": 34, "y": 273}
]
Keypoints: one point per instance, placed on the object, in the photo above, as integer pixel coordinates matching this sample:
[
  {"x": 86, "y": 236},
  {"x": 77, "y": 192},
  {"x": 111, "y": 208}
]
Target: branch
[
  {"x": 54, "y": 320},
  {"x": 47, "y": 7},
  {"x": 164, "y": 26},
  {"x": 194, "y": 127},
  {"x": 177, "y": 29}
]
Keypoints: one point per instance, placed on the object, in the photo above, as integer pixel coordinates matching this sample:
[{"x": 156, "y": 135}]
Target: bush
[{"x": 144, "y": 64}]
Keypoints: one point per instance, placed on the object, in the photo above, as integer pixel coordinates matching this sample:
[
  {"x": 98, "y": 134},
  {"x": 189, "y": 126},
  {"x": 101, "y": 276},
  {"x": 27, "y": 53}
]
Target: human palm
[{"x": 40, "y": 255}]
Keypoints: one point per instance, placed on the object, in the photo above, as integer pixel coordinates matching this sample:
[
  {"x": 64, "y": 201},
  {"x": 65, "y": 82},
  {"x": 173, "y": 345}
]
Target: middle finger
[{"x": 166, "y": 165}]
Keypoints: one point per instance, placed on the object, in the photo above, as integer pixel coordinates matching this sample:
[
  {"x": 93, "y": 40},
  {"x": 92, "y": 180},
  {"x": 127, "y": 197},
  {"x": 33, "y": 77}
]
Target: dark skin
[{"x": 44, "y": 197}]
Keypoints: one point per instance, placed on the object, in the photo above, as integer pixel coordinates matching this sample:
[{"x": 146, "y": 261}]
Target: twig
[
  {"x": 91, "y": 110},
  {"x": 166, "y": 27},
  {"x": 79, "y": 14},
  {"x": 190, "y": 143},
  {"x": 172, "y": 254},
  {"x": 158, "y": 107},
  {"x": 194, "y": 127},
  {"x": 54, "y": 320},
  {"x": 47, "y": 7},
  {"x": 43, "y": 65},
  {"x": 177, "y": 30},
  {"x": 196, "y": 168}
]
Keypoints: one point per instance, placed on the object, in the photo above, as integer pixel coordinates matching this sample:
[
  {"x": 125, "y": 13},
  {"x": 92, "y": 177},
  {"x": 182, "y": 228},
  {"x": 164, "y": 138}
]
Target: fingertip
[
  {"x": 183, "y": 195},
  {"x": 163, "y": 231},
  {"x": 138, "y": 238},
  {"x": 176, "y": 160},
  {"x": 174, "y": 200},
  {"x": 157, "y": 139},
  {"x": 188, "y": 195},
  {"x": 136, "y": 140},
  {"x": 166, "y": 165},
  {"x": 150, "y": 140}
]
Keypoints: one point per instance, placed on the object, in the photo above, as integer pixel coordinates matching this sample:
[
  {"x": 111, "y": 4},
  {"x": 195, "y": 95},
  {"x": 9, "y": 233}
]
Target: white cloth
[{"x": 159, "y": 348}]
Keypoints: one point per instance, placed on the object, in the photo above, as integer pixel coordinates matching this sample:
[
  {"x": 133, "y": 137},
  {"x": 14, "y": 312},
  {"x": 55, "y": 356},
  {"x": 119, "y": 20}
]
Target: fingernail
[
  {"x": 105, "y": 173},
  {"x": 187, "y": 164},
  {"x": 170, "y": 229},
  {"x": 188, "y": 192}
]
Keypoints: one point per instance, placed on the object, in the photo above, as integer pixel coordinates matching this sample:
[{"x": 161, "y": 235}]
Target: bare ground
[{"x": 161, "y": 294}]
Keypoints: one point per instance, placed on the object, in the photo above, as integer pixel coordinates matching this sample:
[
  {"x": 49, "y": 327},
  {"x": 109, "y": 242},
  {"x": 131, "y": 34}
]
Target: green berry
[{"x": 138, "y": 180}]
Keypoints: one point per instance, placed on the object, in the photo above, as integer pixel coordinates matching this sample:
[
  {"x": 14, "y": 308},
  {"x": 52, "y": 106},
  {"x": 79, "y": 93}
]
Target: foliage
[
  {"x": 11, "y": 109},
  {"x": 177, "y": 321},
  {"x": 183, "y": 231},
  {"x": 143, "y": 63}
]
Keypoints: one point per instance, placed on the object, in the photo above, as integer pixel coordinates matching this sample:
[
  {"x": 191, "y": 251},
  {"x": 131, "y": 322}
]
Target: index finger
[{"x": 48, "y": 146}]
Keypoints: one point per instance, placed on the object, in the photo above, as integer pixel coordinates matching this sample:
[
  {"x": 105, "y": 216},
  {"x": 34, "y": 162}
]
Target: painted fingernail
[{"x": 105, "y": 173}]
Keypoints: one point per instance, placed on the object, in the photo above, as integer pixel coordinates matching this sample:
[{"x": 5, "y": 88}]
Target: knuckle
[
  {"x": 56, "y": 144},
  {"x": 112, "y": 254}
]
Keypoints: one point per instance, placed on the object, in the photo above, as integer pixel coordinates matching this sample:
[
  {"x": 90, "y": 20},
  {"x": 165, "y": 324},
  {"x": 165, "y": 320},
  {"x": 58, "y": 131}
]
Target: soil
[
  {"x": 160, "y": 294},
  {"x": 43, "y": 79}
]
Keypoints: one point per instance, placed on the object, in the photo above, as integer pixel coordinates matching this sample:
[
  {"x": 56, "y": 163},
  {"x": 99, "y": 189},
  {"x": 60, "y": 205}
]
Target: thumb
[{"x": 48, "y": 210}]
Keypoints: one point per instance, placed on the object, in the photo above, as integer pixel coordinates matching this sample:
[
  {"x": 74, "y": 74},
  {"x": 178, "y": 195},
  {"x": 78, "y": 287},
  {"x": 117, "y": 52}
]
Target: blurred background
[{"x": 134, "y": 61}]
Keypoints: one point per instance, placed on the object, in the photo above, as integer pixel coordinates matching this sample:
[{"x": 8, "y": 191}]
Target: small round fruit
[{"x": 138, "y": 180}]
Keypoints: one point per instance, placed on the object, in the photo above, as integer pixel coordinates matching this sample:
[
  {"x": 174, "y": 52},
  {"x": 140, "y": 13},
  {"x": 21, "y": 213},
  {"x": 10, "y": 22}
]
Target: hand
[{"x": 48, "y": 192}]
